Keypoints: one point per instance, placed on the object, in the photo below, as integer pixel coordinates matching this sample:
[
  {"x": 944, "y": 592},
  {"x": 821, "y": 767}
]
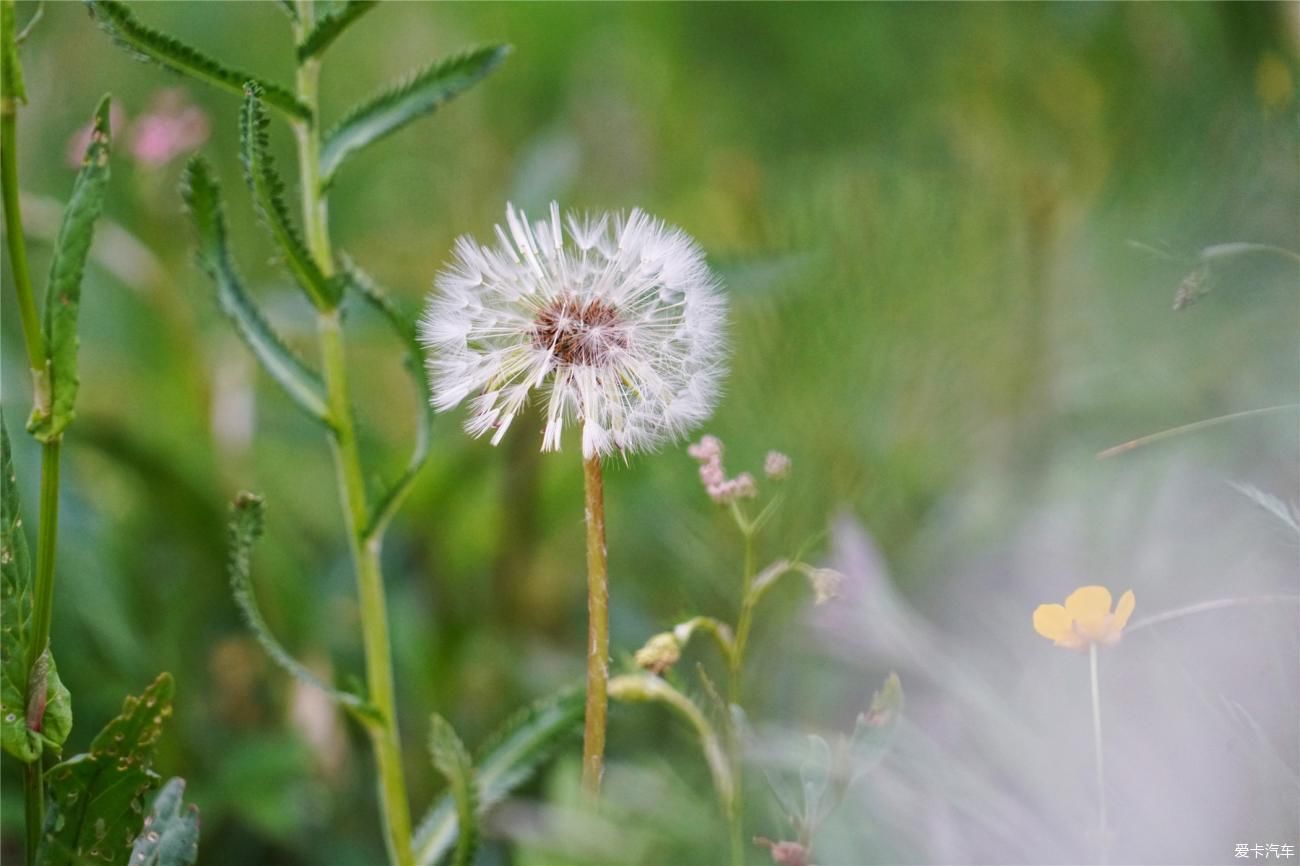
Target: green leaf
[
  {"x": 875, "y": 729},
  {"x": 63, "y": 293},
  {"x": 331, "y": 26},
  {"x": 11, "y": 69},
  {"x": 148, "y": 44},
  {"x": 245, "y": 529},
  {"x": 387, "y": 503},
  {"x": 268, "y": 194},
  {"x": 27, "y": 726},
  {"x": 418, "y": 95},
  {"x": 300, "y": 382},
  {"x": 453, "y": 762},
  {"x": 170, "y": 836},
  {"x": 287, "y": 7},
  {"x": 95, "y": 799},
  {"x": 523, "y": 744}
]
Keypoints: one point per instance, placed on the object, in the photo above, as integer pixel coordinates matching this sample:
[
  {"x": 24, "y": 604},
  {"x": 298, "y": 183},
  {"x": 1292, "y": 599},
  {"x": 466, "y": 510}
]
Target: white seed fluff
[{"x": 614, "y": 320}]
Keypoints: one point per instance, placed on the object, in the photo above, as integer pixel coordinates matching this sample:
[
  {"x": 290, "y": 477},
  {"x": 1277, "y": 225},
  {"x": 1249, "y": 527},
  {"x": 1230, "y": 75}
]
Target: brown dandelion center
[{"x": 579, "y": 332}]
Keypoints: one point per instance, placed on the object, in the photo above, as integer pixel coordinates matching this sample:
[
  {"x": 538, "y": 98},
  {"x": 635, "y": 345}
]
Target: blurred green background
[{"x": 951, "y": 235}]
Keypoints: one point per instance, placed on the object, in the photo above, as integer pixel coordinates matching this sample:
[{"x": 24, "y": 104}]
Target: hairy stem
[
  {"x": 1102, "y": 830},
  {"x": 593, "y": 735},
  {"x": 394, "y": 805}
]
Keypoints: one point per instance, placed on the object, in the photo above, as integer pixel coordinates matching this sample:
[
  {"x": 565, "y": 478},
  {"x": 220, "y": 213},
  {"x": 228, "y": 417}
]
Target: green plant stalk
[
  {"x": 1096, "y": 745},
  {"x": 593, "y": 734},
  {"x": 736, "y": 660},
  {"x": 395, "y": 806},
  {"x": 48, "y": 522}
]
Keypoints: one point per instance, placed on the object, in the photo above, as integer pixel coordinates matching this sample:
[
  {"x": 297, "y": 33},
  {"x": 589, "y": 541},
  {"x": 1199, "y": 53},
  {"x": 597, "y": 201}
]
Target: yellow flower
[{"x": 1085, "y": 618}]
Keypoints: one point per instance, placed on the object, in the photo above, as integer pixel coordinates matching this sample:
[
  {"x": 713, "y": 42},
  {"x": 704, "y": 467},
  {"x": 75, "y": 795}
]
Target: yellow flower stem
[
  {"x": 593, "y": 735},
  {"x": 1101, "y": 767},
  {"x": 365, "y": 550}
]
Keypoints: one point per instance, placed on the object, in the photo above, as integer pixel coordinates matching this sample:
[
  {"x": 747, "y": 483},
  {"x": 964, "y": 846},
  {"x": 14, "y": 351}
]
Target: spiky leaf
[
  {"x": 148, "y": 44},
  {"x": 523, "y": 744},
  {"x": 95, "y": 799},
  {"x": 268, "y": 194},
  {"x": 420, "y": 94},
  {"x": 387, "y": 502},
  {"x": 63, "y": 293},
  {"x": 170, "y": 836},
  {"x": 452, "y": 760},
  {"x": 203, "y": 196},
  {"x": 11, "y": 70},
  {"x": 28, "y": 725},
  {"x": 245, "y": 529},
  {"x": 331, "y": 26}
]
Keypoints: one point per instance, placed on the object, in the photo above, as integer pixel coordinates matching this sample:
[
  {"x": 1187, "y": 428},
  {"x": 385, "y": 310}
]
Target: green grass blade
[
  {"x": 387, "y": 503},
  {"x": 268, "y": 194},
  {"x": 245, "y": 529},
  {"x": 96, "y": 799},
  {"x": 421, "y": 94},
  {"x": 170, "y": 835},
  {"x": 300, "y": 382},
  {"x": 63, "y": 293},
  {"x": 35, "y": 710},
  {"x": 452, "y": 760},
  {"x": 148, "y": 44},
  {"x": 511, "y": 757},
  {"x": 331, "y": 26}
]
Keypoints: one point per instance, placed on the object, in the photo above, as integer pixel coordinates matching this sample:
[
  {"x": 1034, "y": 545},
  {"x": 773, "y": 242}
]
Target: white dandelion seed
[{"x": 615, "y": 321}]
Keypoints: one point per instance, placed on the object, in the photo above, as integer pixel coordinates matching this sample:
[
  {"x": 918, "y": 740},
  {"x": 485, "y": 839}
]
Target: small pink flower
[
  {"x": 721, "y": 489},
  {"x": 171, "y": 127},
  {"x": 776, "y": 466},
  {"x": 79, "y": 141}
]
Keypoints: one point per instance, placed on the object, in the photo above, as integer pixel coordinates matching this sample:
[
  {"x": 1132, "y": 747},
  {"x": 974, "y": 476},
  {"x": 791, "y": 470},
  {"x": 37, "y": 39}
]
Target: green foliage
[
  {"x": 268, "y": 194},
  {"x": 170, "y": 836},
  {"x": 510, "y": 758},
  {"x": 331, "y": 26},
  {"x": 27, "y": 726},
  {"x": 203, "y": 196},
  {"x": 95, "y": 799},
  {"x": 63, "y": 293},
  {"x": 246, "y": 525},
  {"x": 148, "y": 44},
  {"x": 11, "y": 70},
  {"x": 452, "y": 760},
  {"x": 388, "y": 501},
  {"x": 875, "y": 729},
  {"x": 421, "y": 94}
]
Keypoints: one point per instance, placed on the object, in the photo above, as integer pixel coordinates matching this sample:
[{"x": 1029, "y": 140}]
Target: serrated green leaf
[
  {"x": 11, "y": 70},
  {"x": 390, "y": 110},
  {"x": 331, "y": 26},
  {"x": 268, "y": 194},
  {"x": 452, "y": 760},
  {"x": 509, "y": 759},
  {"x": 63, "y": 292},
  {"x": 245, "y": 529},
  {"x": 148, "y": 44},
  {"x": 203, "y": 196},
  {"x": 386, "y": 504},
  {"x": 170, "y": 835},
  {"x": 94, "y": 800},
  {"x": 35, "y": 707}
]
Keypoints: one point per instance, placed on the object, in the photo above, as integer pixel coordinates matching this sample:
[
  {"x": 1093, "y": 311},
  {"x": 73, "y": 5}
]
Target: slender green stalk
[
  {"x": 17, "y": 243},
  {"x": 47, "y": 534},
  {"x": 736, "y": 660},
  {"x": 394, "y": 804},
  {"x": 593, "y": 734},
  {"x": 1102, "y": 826},
  {"x": 33, "y": 805}
]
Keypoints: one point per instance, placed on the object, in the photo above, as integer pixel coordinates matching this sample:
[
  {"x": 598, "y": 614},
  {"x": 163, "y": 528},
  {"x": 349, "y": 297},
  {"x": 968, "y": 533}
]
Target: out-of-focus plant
[
  {"x": 824, "y": 779},
  {"x": 329, "y": 279},
  {"x": 88, "y": 806},
  {"x": 620, "y": 324}
]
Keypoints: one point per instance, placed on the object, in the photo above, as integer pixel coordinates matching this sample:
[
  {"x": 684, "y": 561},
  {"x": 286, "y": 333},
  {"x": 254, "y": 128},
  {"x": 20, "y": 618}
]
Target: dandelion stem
[
  {"x": 365, "y": 550},
  {"x": 593, "y": 735},
  {"x": 1102, "y": 830}
]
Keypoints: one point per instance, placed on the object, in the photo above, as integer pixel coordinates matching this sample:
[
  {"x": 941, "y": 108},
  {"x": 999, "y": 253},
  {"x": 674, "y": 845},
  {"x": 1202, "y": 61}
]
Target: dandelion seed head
[{"x": 613, "y": 321}]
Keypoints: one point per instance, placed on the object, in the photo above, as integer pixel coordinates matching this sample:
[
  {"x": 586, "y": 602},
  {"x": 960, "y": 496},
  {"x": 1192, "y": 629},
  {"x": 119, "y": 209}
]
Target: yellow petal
[
  {"x": 1089, "y": 606},
  {"x": 1052, "y": 622},
  {"x": 1123, "y": 611}
]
